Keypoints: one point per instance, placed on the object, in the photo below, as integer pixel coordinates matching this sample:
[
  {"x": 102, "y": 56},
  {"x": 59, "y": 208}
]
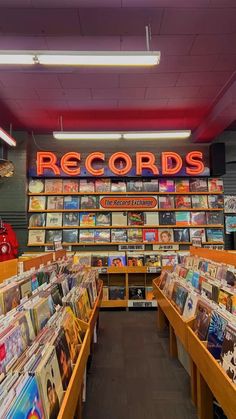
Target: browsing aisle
[
  {"x": 48, "y": 317},
  {"x": 198, "y": 300}
]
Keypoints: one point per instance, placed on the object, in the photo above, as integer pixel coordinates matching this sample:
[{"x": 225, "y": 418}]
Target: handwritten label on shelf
[
  {"x": 142, "y": 304},
  {"x": 131, "y": 247},
  {"x": 153, "y": 269},
  {"x": 165, "y": 247},
  {"x": 102, "y": 270}
]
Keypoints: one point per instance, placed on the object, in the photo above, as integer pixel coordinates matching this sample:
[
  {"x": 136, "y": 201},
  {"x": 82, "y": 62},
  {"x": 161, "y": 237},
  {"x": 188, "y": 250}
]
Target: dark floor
[{"x": 131, "y": 376}]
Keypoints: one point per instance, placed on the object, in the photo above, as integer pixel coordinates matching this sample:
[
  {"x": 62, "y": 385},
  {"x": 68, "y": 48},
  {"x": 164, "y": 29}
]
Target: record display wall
[{"x": 86, "y": 212}]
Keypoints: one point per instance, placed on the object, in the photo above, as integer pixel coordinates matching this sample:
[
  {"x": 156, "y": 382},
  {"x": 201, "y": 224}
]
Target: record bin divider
[
  {"x": 208, "y": 378},
  {"x": 8, "y": 268}
]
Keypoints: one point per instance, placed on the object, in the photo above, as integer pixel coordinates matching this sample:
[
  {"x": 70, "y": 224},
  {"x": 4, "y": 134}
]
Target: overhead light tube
[
  {"x": 63, "y": 135},
  {"x": 7, "y": 138},
  {"x": 158, "y": 135},
  {"x": 145, "y": 135}
]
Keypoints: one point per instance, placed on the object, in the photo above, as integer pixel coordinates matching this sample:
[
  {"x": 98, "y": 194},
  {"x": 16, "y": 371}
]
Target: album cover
[
  {"x": 87, "y": 219},
  {"x": 135, "y": 235},
  {"x": 105, "y": 293},
  {"x": 198, "y": 185},
  {"x": 37, "y": 203},
  {"x": 70, "y": 236},
  {"x": 118, "y": 186},
  {"x": 197, "y": 232},
  {"x": 150, "y": 185},
  {"x": 27, "y": 402},
  {"x": 182, "y": 218},
  {"x": 70, "y": 219},
  {"x": 25, "y": 288},
  {"x": 119, "y": 218},
  {"x": 198, "y": 218},
  {"x": 182, "y": 185},
  {"x": 72, "y": 336},
  {"x": 55, "y": 202},
  {"x": 37, "y": 220},
  {"x": 166, "y": 202},
  {"x": 216, "y": 334},
  {"x": 86, "y": 236},
  {"x": 36, "y": 186},
  {"x": 118, "y": 235},
  {"x": 135, "y": 218},
  {"x": 228, "y": 352},
  {"x": 149, "y": 294},
  {"x": 88, "y": 202},
  {"x": 103, "y": 219},
  {"x": 181, "y": 235},
  {"x": 135, "y": 185},
  {"x": 190, "y": 306},
  {"x": 102, "y": 185},
  {"x": 179, "y": 296},
  {"x": 36, "y": 237},
  {"x": 86, "y": 185},
  {"x": 152, "y": 259},
  {"x": 135, "y": 259},
  {"x": 167, "y": 218},
  {"x": 230, "y": 204},
  {"x": 202, "y": 320},
  {"x": 102, "y": 236},
  {"x": 70, "y": 185},
  {"x": 83, "y": 258},
  {"x": 151, "y": 218},
  {"x": 136, "y": 293},
  {"x": 50, "y": 384},
  {"x": 71, "y": 202},
  {"x": 215, "y": 235},
  {"x": 182, "y": 201},
  {"x": 63, "y": 358},
  {"x": 215, "y": 201},
  {"x": 117, "y": 259},
  {"x": 166, "y": 185},
  {"x": 230, "y": 223},
  {"x": 150, "y": 235},
  {"x": 11, "y": 297},
  {"x": 116, "y": 293},
  {"x": 40, "y": 314},
  {"x": 215, "y": 217},
  {"x": 199, "y": 201},
  {"x": 54, "y": 219},
  {"x": 215, "y": 185},
  {"x": 165, "y": 235},
  {"x": 99, "y": 261},
  {"x": 53, "y": 186},
  {"x": 53, "y": 235}
]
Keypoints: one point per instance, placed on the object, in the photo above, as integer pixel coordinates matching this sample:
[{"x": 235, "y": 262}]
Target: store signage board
[
  {"x": 97, "y": 164},
  {"x": 134, "y": 202},
  {"x": 165, "y": 247},
  {"x": 131, "y": 247}
]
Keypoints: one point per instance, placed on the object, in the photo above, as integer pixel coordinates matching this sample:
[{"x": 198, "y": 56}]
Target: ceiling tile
[
  {"x": 83, "y": 43},
  {"x": 14, "y": 79},
  {"x": 63, "y": 93},
  {"x": 179, "y": 64},
  {"x": 15, "y": 3},
  {"x": 226, "y": 63},
  {"x": 216, "y": 78},
  {"x": 168, "y": 45},
  {"x": 123, "y": 21},
  {"x": 171, "y": 92},
  {"x": 88, "y": 80},
  {"x": 39, "y": 21},
  {"x": 208, "y": 92},
  {"x": 214, "y": 44},
  {"x": 165, "y": 3},
  {"x": 198, "y": 21},
  {"x": 76, "y": 3},
  {"x": 123, "y": 93},
  {"x": 92, "y": 104},
  {"x": 143, "y": 80},
  {"x": 17, "y": 93},
  {"x": 144, "y": 104},
  {"x": 22, "y": 42}
]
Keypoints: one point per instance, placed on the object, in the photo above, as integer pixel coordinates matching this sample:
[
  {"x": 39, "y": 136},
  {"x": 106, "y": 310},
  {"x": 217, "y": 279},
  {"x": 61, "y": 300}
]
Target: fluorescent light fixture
[
  {"x": 84, "y": 58},
  {"x": 7, "y": 138},
  {"x": 158, "y": 135},
  {"x": 63, "y": 135},
  {"x": 145, "y": 135}
]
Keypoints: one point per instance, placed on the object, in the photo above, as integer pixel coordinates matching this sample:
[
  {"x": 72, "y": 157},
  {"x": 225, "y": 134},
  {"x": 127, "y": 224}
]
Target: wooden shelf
[
  {"x": 114, "y": 303},
  {"x": 127, "y": 210},
  {"x": 121, "y": 193},
  {"x": 115, "y": 243},
  {"x": 8, "y": 268},
  {"x": 95, "y": 312},
  {"x": 214, "y": 376},
  {"x": 127, "y": 227}
]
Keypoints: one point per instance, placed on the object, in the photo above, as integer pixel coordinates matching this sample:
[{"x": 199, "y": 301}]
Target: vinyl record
[{"x": 36, "y": 186}]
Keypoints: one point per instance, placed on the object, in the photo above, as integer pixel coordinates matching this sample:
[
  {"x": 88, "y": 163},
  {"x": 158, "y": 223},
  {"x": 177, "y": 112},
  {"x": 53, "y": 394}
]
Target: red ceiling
[{"x": 193, "y": 87}]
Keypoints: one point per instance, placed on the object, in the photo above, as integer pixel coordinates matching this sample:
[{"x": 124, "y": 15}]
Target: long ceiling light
[
  {"x": 84, "y": 58},
  {"x": 7, "y": 138},
  {"x": 145, "y": 135}
]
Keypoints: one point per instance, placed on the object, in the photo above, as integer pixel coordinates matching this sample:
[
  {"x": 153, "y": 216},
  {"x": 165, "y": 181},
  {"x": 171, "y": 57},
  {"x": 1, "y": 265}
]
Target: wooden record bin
[{"x": 208, "y": 378}]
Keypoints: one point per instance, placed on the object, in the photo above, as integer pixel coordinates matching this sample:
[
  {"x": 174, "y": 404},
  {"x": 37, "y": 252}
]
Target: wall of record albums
[
  {"x": 42, "y": 336},
  {"x": 73, "y": 211}
]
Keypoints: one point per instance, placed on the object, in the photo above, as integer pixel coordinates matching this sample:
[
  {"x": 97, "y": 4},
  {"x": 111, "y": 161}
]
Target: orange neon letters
[
  {"x": 89, "y": 160},
  {"x": 194, "y": 158},
  {"x": 122, "y": 157},
  {"x": 171, "y": 163},
  {"x": 70, "y": 167},
  {"x": 46, "y": 160},
  {"x": 145, "y": 160}
]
